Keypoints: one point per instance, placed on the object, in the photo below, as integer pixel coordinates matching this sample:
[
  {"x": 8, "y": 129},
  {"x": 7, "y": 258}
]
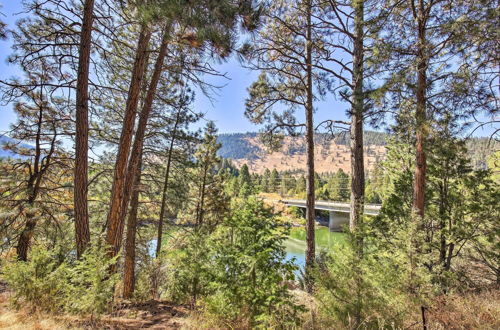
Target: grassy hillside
[{"x": 331, "y": 154}]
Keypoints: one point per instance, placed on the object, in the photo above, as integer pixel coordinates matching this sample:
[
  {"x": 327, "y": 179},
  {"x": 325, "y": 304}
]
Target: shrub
[
  {"x": 377, "y": 288},
  {"x": 250, "y": 271},
  {"x": 90, "y": 287},
  {"x": 188, "y": 270},
  {"x": 237, "y": 274},
  {"x": 78, "y": 286},
  {"x": 38, "y": 283}
]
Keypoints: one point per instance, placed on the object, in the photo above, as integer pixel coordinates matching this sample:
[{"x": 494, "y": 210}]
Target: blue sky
[
  {"x": 228, "y": 103},
  {"x": 226, "y": 107}
]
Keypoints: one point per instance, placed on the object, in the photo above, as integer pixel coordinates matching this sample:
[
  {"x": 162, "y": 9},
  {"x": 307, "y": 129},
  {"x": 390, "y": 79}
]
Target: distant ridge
[
  {"x": 331, "y": 155},
  {"x": 237, "y": 146}
]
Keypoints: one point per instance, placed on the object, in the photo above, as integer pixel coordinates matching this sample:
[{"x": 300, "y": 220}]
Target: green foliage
[
  {"x": 494, "y": 166},
  {"x": 188, "y": 268},
  {"x": 336, "y": 189},
  {"x": 250, "y": 271},
  {"x": 238, "y": 272},
  {"x": 207, "y": 201},
  {"x": 38, "y": 282},
  {"x": 79, "y": 287},
  {"x": 461, "y": 212},
  {"x": 90, "y": 286},
  {"x": 370, "y": 290}
]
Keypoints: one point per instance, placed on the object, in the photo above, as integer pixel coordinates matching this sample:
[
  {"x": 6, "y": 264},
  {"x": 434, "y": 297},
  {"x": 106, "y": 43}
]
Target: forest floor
[
  {"x": 480, "y": 310},
  {"x": 148, "y": 315}
]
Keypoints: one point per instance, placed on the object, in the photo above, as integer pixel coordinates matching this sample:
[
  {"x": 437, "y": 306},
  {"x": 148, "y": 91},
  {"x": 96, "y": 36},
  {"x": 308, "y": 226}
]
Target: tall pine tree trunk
[
  {"x": 357, "y": 156},
  {"x": 420, "y": 116},
  {"x": 310, "y": 198},
  {"x": 165, "y": 187},
  {"x": 356, "y": 134},
  {"x": 82, "y": 231},
  {"x": 129, "y": 264},
  {"x": 141, "y": 129},
  {"x": 115, "y": 221}
]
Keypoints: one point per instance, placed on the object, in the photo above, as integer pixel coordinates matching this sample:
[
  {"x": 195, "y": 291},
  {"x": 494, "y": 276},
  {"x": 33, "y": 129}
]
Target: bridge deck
[{"x": 370, "y": 209}]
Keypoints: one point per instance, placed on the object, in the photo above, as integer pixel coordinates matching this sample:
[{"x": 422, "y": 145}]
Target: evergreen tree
[
  {"x": 266, "y": 178},
  {"x": 287, "y": 52},
  {"x": 43, "y": 123},
  {"x": 417, "y": 39},
  {"x": 207, "y": 201},
  {"x": 213, "y": 25},
  {"x": 274, "y": 181},
  {"x": 245, "y": 181},
  {"x": 82, "y": 230}
]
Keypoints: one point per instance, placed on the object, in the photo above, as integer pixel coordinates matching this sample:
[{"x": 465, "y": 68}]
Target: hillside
[{"x": 331, "y": 155}]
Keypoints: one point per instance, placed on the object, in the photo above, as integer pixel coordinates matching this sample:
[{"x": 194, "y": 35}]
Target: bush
[
  {"x": 250, "y": 271},
  {"x": 377, "y": 288},
  {"x": 237, "y": 274},
  {"x": 188, "y": 270},
  {"x": 38, "y": 283},
  {"x": 90, "y": 287},
  {"x": 79, "y": 286}
]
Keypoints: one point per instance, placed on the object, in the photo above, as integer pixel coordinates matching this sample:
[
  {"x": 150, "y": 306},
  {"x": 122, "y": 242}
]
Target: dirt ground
[{"x": 148, "y": 315}]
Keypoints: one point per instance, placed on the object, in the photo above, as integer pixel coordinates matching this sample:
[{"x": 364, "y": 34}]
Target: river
[{"x": 296, "y": 244}]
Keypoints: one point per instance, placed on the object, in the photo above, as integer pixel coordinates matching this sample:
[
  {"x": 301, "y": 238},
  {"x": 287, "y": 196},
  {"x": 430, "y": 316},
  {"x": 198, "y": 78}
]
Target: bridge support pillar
[{"x": 338, "y": 220}]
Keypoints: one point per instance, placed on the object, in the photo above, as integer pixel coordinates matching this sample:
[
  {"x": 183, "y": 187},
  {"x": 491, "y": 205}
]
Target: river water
[{"x": 296, "y": 244}]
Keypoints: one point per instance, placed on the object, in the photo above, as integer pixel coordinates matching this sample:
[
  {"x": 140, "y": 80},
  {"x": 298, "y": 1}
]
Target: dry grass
[
  {"x": 329, "y": 157},
  {"x": 148, "y": 315},
  {"x": 469, "y": 311},
  {"x": 465, "y": 311},
  {"x": 26, "y": 319}
]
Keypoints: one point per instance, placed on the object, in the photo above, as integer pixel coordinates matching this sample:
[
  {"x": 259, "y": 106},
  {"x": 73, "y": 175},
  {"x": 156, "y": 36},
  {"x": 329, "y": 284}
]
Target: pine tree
[
  {"x": 213, "y": 24},
  {"x": 274, "y": 180},
  {"x": 417, "y": 40},
  {"x": 177, "y": 148},
  {"x": 82, "y": 230},
  {"x": 207, "y": 201},
  {"x": 287, "y": 53},
  {"x": 42, "y": 122}
]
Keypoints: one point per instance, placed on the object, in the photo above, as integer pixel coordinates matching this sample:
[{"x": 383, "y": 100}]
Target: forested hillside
[{"x": 248, "y": 148}]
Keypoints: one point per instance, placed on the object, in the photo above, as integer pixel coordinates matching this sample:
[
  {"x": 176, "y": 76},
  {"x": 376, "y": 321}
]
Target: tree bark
[
  {"x": 115, "y": 221},
  {"x": 356, "y": 133},
  {"x": 82, "y": 231},
  {"x": 357, "y": 155},
  {"x": 129, "y": 264},
  {"x": 420, "y": 116},
  {"x": 141, "y": 129},
  {"x": 24, "y": 239},
  {"x": 310, "y": 198},
  {"x": 165, "y": 186}
]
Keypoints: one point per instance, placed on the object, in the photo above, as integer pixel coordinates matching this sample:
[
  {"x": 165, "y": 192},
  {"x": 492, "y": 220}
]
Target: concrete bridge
[{"x": 339, "y": 211}]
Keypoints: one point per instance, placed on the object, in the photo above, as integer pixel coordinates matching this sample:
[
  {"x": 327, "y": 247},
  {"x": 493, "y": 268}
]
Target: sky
[{"x": 225, "y": 108}]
